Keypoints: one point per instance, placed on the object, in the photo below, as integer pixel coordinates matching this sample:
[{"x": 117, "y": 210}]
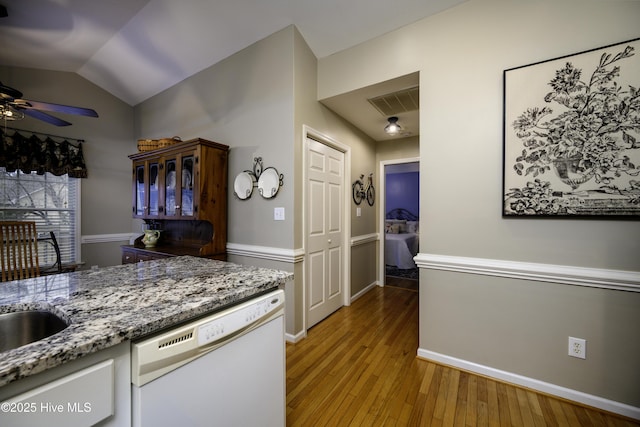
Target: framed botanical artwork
[{"x": 572, "y": 135}]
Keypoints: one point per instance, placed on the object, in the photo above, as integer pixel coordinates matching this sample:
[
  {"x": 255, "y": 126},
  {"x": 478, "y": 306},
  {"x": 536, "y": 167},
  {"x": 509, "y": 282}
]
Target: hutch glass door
[
  {"x": 140, "y": 191},
  {"x": 187, "y": 186},
  {"x": 154, "y": 198}
]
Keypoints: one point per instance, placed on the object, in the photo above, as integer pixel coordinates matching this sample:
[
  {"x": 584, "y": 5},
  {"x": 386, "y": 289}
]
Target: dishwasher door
[{"x": 224, "y": 370}]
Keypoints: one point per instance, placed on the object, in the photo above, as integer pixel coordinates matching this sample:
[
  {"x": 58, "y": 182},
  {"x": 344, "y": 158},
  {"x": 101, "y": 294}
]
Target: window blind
[{"x": 52, "y": 202}]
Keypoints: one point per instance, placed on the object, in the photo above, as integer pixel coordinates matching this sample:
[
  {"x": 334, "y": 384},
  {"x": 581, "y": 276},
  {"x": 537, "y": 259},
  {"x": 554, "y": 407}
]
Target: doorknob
[{"x": 329, "y": 241}]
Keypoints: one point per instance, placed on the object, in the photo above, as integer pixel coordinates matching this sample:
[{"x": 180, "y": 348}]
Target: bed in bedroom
[{"x": 401, "y": 238}]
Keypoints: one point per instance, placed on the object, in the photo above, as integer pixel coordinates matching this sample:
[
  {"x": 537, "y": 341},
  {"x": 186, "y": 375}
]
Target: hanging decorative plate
[
  {"x": 243, "y": 185},
  {"x": 269, "y": 183}
]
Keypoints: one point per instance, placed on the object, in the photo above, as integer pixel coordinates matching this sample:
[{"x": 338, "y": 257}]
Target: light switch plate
[{"x": 278, "y": 214}]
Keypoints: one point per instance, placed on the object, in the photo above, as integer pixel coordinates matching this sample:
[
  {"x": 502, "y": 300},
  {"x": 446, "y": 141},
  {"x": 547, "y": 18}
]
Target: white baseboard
[
  {"x": 555, "y": 390},
  {"x": 295, "y": 338}
]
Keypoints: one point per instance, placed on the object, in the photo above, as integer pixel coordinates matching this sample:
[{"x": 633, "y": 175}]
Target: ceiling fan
[{"x": 13, "y": 107}]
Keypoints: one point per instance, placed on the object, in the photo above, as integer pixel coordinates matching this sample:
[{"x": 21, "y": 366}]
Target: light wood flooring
[{"x": 359, "y": 368}]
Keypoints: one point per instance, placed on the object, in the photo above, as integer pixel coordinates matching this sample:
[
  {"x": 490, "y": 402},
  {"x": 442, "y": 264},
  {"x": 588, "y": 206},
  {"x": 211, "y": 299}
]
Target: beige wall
[
  {"x": 257, "y": 102},
  {"x": 405, "y": 148},
  {"x": 106, "y": 193},
  {"x": 310, "y": 113},
  {"x": 245, "y": 102},
  {"x": 519, "y": 326}
]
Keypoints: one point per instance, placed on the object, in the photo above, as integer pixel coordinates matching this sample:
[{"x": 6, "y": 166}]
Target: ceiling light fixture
[{"x": 393, "y": 127}]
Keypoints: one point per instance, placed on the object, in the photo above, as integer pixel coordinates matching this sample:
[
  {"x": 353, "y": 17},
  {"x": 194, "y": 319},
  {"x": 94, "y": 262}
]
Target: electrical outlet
[{"x": 577, "y": 348}]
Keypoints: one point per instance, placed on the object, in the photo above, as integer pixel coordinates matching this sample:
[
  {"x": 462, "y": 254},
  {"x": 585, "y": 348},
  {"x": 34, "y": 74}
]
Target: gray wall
[
  {"x": 106, "y": 193},
  {"x": 245, "y": 102},
  {"x": 257, "y": 102},
  {"x": 404, "y": 148},
  {"x": 311, "y": 113},
  {"x": 519, "y": 326}
]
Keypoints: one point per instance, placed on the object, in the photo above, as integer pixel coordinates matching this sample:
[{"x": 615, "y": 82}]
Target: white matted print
[{"x": 572, "y": 135}]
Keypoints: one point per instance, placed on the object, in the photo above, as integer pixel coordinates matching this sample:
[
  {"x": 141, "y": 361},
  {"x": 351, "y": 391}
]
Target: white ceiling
[
  {"x": 356, "y": 109},
  {"x": 135, "y": 49}
]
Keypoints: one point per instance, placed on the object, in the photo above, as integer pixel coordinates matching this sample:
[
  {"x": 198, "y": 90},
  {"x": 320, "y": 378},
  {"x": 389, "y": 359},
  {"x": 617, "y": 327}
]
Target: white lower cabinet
[{"x": 86, "y": 392}]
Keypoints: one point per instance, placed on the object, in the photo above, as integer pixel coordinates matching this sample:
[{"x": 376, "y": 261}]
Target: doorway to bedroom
[{"x": 400, "y": 214}]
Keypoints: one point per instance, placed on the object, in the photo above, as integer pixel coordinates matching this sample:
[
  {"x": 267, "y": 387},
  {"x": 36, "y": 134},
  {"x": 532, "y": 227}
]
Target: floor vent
[{"x": 395, "y": 103}]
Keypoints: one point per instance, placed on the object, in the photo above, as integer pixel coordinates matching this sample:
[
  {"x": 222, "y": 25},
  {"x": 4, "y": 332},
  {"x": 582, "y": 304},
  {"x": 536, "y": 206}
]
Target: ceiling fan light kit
[{"x": 9, "y": 114}]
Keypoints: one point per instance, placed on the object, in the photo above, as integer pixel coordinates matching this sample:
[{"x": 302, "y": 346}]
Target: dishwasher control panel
[
  {"x": 155, "y": 356},
  {"x": 240, "y": 318}
]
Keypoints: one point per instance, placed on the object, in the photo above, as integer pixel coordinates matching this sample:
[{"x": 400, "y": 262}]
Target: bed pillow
[
  {"x": 413, "y": 226},
  {"x": 400, "y": 223},
  {"x": 396, "y": 221},
  {"x": 395, "y": 226},
  {"x": 393, "y": 229}
]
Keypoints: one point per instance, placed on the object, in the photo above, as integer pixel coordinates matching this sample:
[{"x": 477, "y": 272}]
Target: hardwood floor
[
  {"x": 359, "y": 368},
  {"x": 399, "y": 282}
]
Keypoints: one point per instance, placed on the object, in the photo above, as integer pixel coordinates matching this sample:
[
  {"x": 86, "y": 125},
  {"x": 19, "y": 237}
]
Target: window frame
[{"x": 75, "y": 227}]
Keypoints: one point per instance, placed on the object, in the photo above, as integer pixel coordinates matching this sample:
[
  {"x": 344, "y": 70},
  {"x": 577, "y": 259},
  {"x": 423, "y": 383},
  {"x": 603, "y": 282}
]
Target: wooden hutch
[{"x": 181, "y": 190}]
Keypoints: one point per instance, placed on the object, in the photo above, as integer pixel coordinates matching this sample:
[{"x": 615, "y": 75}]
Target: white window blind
[{"x": 53, "y": 202}]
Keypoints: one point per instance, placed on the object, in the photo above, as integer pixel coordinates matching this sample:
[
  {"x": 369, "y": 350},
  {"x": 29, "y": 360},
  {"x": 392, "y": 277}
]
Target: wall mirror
[{"x": 268, "y": 181}]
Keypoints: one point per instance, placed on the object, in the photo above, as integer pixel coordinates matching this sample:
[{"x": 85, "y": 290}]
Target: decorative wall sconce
[{"x": 267, "y": 180}]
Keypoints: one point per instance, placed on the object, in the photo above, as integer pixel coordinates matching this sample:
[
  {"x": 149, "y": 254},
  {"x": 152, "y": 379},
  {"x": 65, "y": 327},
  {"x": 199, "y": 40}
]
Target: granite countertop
[{"x": 107, "y": 306}]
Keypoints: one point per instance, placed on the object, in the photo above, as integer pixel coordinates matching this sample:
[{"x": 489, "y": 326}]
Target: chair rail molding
[
  {"x": 106, "y": 238},
  {"x": 265, "y": 252},
  {"x": 621, "y": 280},
  {"x": 364, "y": 239}
]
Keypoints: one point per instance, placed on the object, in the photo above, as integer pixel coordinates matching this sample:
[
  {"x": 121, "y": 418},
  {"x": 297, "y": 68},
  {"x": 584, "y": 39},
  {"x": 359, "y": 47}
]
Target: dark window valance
[{"x": 32, "y": 154}]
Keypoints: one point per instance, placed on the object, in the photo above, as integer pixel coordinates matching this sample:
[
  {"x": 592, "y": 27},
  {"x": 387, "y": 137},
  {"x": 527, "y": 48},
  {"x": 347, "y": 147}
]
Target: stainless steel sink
[{"x": 23, "y": 327}]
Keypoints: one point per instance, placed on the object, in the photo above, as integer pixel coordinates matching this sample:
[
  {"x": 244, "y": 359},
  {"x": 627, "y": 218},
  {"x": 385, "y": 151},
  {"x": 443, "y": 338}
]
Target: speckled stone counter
[{"x": 110, "y": 305}]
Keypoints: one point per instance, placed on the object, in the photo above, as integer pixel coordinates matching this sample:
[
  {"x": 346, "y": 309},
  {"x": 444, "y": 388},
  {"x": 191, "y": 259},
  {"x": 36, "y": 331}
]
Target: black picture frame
[{"x": 571, "y": 135}]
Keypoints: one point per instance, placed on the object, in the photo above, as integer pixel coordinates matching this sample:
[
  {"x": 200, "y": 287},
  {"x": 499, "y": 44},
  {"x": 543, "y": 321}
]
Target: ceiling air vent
[{"x": 397, "y": 102}]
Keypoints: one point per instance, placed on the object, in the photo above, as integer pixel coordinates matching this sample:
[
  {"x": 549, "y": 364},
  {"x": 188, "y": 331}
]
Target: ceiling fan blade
[
  {"x": 45, "y": 117},
  {"x": 58, "y": 108},
  {"x": 9, "y": 92}
]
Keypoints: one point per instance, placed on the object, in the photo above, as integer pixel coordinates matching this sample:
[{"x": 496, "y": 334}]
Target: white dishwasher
[{"x": 226, "y": 369}]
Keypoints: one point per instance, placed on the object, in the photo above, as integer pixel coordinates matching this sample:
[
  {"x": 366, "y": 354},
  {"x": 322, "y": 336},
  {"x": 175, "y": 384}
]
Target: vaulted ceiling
[{"x": 135, "y": 49}]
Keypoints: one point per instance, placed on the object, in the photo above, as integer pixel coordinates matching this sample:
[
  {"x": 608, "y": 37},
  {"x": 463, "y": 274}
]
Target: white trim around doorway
[{"x": 382, "y": 213}]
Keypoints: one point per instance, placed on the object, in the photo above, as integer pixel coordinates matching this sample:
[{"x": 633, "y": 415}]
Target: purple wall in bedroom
[{"x": 402, "y": 191}]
